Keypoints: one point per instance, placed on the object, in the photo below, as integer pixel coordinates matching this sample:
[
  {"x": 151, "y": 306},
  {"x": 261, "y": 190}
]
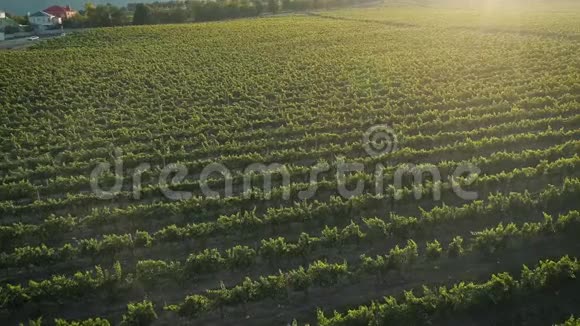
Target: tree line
[
  {"x": 191, "y": 11},
  {"x": 99, "y": 16},
  {"x": 202, "y": 10}
]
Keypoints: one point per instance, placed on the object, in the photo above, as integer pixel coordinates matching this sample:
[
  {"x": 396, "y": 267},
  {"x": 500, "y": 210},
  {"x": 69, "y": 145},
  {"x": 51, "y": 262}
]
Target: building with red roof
[{"x": 61, "y": 12}]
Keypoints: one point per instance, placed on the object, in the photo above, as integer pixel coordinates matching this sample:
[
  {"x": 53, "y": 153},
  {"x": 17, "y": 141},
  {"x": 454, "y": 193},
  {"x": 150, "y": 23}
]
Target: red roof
[{"x": 58, "y": 10}]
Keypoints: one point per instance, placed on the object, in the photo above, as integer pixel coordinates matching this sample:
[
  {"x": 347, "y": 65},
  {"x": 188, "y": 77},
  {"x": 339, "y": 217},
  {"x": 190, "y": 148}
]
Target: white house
[{"x": 42, "y": 20}]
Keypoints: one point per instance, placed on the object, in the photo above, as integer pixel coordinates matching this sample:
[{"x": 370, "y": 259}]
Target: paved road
[
  {"x": 23, "y": 42},
  {"x": 16, "y": 44}
]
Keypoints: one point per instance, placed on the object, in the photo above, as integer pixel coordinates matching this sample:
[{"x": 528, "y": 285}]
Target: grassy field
[{"x": 485, "y": 95}]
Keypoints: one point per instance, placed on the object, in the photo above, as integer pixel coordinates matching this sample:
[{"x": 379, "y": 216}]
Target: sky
[{"x": 21, "y": 7}]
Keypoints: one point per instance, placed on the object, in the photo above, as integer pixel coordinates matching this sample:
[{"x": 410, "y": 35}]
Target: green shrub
[
  {"x": 139, "y": 314},
  {"x": 434, "y": 250},
  {"x": 455, "y": 248}
]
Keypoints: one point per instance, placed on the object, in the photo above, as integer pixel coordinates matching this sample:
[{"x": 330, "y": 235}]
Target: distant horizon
[{"x": 20, "y": 7}]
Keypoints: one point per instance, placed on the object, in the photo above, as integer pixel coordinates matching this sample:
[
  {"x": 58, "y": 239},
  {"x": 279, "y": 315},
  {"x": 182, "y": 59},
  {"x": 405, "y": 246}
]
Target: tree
[
  {"x": 142, "y": 15},
  {"x": 105, "y": 15},
  {"x": 259, "y": 7},
  {"x": 273, "y": 6},
  {"x": 89, "y": 6},
  {"x": 11, "y": 29},
  {"x": 285, "y": 4},
  {"x": 21, "y": 20}
]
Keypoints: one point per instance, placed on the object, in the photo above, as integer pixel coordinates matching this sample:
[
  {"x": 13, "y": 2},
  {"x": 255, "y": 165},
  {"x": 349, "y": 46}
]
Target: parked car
[{"x": 33, "y": 38}]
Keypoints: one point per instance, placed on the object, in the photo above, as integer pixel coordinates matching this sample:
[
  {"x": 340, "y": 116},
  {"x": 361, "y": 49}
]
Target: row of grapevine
[
  {"x": 249, "y": 222},
  {"x": 318, "y": 273},
  {"x": 444, "y": 301}
]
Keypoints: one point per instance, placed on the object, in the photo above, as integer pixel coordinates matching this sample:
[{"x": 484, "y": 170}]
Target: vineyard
[{"x": 126, "y": 196}]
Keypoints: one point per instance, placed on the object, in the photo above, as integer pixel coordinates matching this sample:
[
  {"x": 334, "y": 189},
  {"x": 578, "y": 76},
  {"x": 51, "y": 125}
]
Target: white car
[{"x": 33, "y": 38}]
